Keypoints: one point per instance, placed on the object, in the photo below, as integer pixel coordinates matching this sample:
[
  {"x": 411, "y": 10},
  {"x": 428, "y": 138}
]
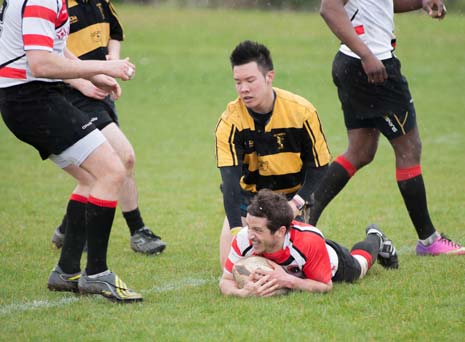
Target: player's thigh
[
  {"x": 407, "y": 149},
  {"x": 119, "y": 142},
  {"x": 104, "y": 162}
]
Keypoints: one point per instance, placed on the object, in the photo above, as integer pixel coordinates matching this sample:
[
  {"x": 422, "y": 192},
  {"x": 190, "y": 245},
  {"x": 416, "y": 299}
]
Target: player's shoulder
[
  {"x": 304, "y": 230},
  {"x": 234, "y": 112},
  {"x": 72, "y": 3},
  {"x": 292, "y": 99}
]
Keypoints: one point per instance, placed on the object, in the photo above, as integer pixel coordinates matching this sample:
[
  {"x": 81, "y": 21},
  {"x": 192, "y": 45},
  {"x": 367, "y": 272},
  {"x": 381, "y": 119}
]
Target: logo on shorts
[
  {"x": 92, "y": 120},
  {"x": 390, "y": 124}
]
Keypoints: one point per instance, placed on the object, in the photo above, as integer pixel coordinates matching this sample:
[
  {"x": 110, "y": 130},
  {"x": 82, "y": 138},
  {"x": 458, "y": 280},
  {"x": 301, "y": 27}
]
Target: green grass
[{"x": 169, "y": 112}]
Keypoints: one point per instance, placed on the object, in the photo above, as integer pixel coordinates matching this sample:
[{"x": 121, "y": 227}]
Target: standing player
[
  {"x": 266, "y": 138},
  {"x": 35, "y": 109},
  {"x": 309, "y": 261},
  {"x": 96, "y": 33},
  {"x": 376, "y": 99}
]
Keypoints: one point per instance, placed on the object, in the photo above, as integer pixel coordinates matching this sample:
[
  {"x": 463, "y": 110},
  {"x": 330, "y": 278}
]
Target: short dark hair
[
  {"x": 274, "y": 207},
  {"x": 248, "y": 51}
]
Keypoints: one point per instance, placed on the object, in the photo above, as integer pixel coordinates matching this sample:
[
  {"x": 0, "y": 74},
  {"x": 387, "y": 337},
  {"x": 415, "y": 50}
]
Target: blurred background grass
[{"x": 169, "y": 112}]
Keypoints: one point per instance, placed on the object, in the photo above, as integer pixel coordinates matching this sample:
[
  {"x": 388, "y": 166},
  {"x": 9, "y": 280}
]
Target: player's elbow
[
  {"x": 324, "y": 287},
  {"x": 38, "y": 64},
  {"x": 223, "y": 285},
  {"x": 329, "y": 9},
  {"x": 38, "y": 69},
  {"x": 328, "y": 287},
  {"x": 324, "y": 9}
]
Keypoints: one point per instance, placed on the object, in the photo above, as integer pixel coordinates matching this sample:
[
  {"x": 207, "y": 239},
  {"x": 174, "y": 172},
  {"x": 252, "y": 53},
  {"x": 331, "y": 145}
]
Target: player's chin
[{"x": 259, "y": 250}]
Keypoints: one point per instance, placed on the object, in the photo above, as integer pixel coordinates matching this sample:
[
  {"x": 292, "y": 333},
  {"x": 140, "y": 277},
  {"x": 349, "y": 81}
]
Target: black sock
[
  {"x": 371, "y": 245},
  {"x": 75, "y": 237},
  {"x": 62, "y": 226},
  {"x": 333, "y": 182},
  {"x": 133, "y": 220},
  {"x": 414, "y": 195},
  {"x": 99, "y": 216}
]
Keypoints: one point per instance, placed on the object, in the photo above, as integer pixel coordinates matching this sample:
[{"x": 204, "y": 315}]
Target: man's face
[
  {"x": 262, "y": 239},
  {"x": 254, "y": 88}
]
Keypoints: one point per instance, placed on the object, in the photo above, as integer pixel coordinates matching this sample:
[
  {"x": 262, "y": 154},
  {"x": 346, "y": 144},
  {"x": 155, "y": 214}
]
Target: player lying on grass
[{"x": 309, "y": 261}]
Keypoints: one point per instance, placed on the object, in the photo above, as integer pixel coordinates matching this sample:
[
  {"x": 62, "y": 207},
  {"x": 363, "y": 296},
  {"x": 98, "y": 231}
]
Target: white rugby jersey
[
  {"x": 373, "y": 21},
  {"x": 304, "y": 253},
  {"x": 29, "y": 25}
]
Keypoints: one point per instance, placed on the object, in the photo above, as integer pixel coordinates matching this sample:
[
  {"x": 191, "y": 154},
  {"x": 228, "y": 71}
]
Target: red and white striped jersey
[
  {"x": 29, "y": 25},
  {"x": 304, "y": 254},
  {"x": 373, "y": 21}
]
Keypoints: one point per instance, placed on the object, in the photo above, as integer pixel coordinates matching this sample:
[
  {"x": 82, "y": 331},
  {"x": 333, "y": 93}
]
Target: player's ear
[
  {"x": 270, "y": 76},
  {"x": 282, "y": 231}
]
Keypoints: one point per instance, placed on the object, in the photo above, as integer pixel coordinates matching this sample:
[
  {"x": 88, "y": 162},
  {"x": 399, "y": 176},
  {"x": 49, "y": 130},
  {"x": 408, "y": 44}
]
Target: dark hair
[
  {"x": 248, "y": 51},
  {"x": 274, "y": 207}
]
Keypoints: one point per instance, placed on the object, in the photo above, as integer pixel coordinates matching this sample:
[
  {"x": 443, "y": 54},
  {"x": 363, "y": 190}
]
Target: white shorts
[{"x": 77, "y": 153}]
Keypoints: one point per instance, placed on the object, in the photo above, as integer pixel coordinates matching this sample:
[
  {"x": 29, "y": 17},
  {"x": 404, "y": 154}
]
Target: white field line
[
  {"x": 173, "y": 286},
  {"x": 45, "y": 303}
]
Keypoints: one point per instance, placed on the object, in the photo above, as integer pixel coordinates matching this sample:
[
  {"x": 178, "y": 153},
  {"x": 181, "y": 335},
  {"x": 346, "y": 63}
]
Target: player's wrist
[{"x": 298, "y": 201}]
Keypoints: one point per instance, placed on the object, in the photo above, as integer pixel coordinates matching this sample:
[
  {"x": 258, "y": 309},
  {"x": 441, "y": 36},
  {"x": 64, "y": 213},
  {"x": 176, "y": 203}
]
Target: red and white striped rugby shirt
[
  {"x": 373, "y": 21},
  {"x": 304, "y": 253},
  {"x": 29, "y": 25}
]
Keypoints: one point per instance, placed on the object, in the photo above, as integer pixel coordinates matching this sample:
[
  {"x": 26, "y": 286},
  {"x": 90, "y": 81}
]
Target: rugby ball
[{"x": 245, "y": 266}]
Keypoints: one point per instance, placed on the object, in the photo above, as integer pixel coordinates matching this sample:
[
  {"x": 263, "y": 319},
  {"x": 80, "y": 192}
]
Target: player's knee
[
  {"x": 115, "y": 174},
  {"x": 129, "y": 162},
  {"x": 361, "y": 158},
  {"x": 86, "y": 182},
  {"x": 366, "y": 158}
]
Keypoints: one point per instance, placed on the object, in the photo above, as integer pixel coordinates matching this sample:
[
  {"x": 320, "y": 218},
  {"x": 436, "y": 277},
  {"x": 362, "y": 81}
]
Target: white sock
[
  {"x": 363, "y": 265},
  {"x": 429, "y": 241}
]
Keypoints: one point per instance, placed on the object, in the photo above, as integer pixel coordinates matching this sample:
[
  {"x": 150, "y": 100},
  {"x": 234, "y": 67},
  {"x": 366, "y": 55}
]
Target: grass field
[{"x": 169, "y": 112}]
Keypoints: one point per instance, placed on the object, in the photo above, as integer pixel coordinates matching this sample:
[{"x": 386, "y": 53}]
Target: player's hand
[
  {"x": 278, "y": 275},
  {"x": 120, "y": 68},
  {"x": 88, "y": 89},
  {"x": 107, "y": 84},
  {"x": 374, "y": 69},
  {"x": 262, "y": 286},
  {"x": 435, "y": 8},
  {"x": 295, "y": 211}
]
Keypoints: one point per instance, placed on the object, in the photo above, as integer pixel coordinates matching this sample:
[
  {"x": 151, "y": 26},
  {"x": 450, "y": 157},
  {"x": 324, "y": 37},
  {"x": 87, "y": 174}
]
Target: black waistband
[{"x": 29, "y": 86}]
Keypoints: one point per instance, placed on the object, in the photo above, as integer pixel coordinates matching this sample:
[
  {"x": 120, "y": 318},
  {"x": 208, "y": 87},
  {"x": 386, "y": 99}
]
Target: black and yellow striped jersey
[
  {"x": 273, "y": 157},
  {"x": 92, "y": 24}
]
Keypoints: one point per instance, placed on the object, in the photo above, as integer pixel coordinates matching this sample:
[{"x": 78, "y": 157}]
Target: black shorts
[
  {"x": 39, "y": 114},
  {"x": 101, "y": 112},
  {"x": 348, "y": 269},
  {"x": 388, "y": 106}
]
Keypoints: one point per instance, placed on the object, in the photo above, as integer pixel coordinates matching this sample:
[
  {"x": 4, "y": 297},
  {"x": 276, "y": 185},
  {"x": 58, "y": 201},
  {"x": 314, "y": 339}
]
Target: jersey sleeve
[
  {"x": 239, "y": 244},
  {"x": 315, "y": 148},
  {"x": 317, "y": 266},
  {"x": 228, "y": 152},
  {"x": 38, "y": 24},
  {"x": 116, "y": 29}
]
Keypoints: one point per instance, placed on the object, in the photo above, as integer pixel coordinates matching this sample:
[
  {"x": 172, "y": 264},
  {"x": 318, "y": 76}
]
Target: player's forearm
[
  {"x": 336, "y": 18},
  {"x": 228, "y": 287},
  {"x": 232, "y": 194},
  {"x": 309, "y": 285},
  {"x": 313, "y": 177},
  {"x": 401, "y": 6},
  {"x": 114, "y": 49},
  {"x": 44, "y": 64},
  {"x": 50, "y": 65}
]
